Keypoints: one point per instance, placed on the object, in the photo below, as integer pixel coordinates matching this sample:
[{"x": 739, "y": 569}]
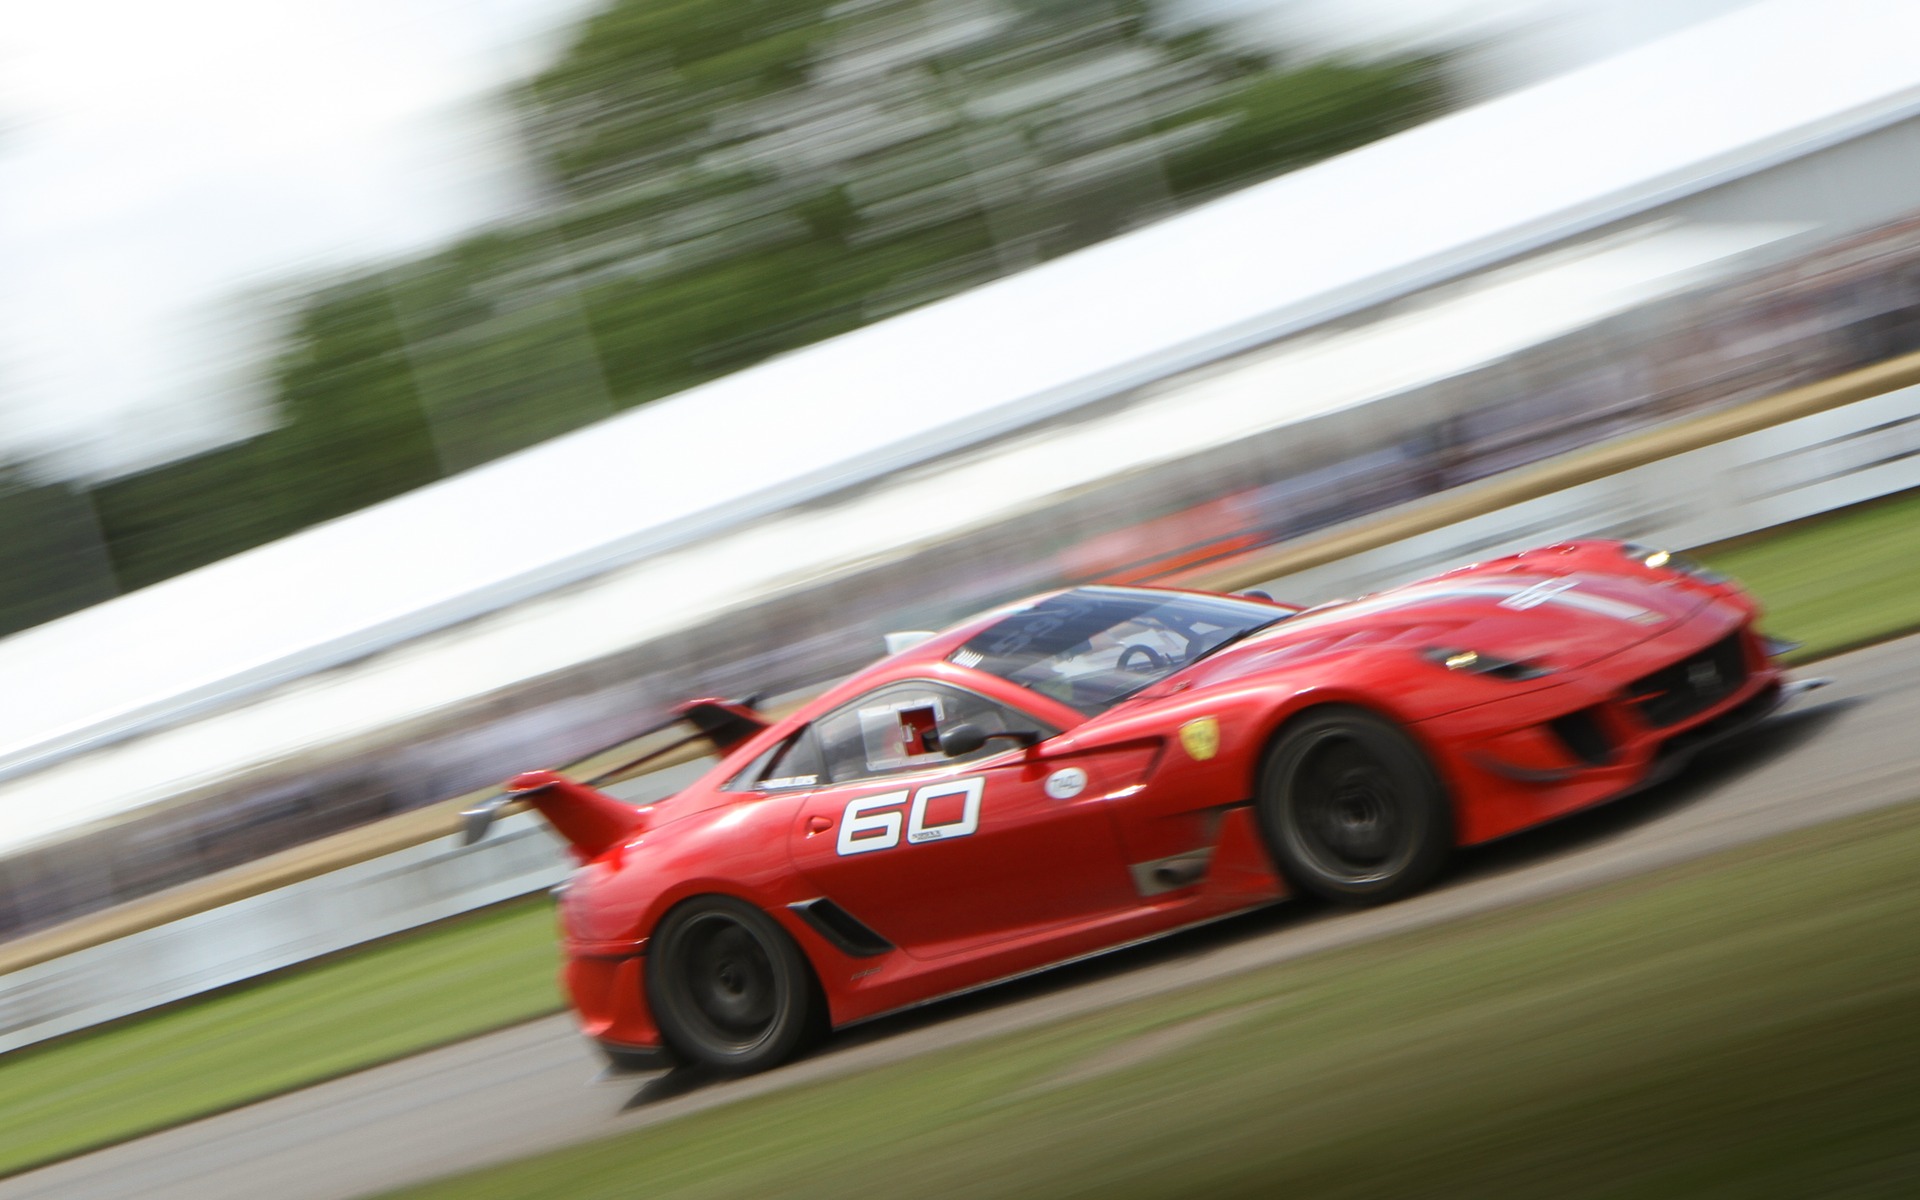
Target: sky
[
  {"x": 161, "y": 165},
  {"x": 167, "y": 169}
]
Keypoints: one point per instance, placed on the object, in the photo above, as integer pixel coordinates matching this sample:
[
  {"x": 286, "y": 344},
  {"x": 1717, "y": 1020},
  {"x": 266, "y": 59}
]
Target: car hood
[{"x": 1557, "y": 621}]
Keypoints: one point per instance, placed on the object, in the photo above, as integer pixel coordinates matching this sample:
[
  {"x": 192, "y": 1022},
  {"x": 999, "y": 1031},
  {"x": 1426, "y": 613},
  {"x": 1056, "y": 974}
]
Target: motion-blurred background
[
  {"x": 848, "y": 317},
  {"x": 266, "y": 269}
]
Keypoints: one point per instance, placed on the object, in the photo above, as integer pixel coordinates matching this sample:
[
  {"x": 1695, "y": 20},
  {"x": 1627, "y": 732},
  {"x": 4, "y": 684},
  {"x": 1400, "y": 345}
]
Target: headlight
[
  {"x": 1668, "y": 560},
  {"x": 1475, "y": 663}
]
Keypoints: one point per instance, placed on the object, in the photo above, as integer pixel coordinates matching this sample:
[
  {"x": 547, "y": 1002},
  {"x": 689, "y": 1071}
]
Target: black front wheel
[
  {"x": 729, "y": 988},
  {"x": 1351, "y": 808}
]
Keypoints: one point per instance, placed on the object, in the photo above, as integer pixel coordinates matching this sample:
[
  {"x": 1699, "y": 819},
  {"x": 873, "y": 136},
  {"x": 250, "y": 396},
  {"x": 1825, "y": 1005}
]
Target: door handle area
[{"x": 818, "y": 825}]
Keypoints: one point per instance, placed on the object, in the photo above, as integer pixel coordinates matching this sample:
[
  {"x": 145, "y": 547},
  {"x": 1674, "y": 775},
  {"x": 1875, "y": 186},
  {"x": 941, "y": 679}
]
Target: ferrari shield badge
[{"x": 1201, "y": 738}]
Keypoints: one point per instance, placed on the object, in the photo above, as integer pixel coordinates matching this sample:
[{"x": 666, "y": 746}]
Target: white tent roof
[{"x": 1719, "y": 100}]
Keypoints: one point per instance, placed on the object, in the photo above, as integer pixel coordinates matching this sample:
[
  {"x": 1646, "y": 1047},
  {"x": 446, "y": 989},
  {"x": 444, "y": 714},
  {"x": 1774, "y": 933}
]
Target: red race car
[{"x": 1105, "y": 764}]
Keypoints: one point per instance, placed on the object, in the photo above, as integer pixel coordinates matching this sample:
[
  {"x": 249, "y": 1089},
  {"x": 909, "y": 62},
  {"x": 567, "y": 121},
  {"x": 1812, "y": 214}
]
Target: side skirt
[{"x": 1129, "y": 944}]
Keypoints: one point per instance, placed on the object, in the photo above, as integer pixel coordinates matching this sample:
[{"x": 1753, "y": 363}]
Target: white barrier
[
  {"x": 1793, "y": 470},
  {"x": 1830, "y": 460},
  {"x": 277, "y": 929}
]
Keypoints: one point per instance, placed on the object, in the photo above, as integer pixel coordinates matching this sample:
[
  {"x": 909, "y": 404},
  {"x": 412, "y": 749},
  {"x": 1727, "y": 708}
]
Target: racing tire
[
  {"x": 1351, "y": 808},
  {"x": 729, "y": 989}
]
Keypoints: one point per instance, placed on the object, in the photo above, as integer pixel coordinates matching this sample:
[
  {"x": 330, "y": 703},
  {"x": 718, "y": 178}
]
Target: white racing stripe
[{"x": 1542, "y": 590}]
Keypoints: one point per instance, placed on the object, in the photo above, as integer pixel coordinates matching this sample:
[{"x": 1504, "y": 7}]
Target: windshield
[{"x": 1092, "y": 647}]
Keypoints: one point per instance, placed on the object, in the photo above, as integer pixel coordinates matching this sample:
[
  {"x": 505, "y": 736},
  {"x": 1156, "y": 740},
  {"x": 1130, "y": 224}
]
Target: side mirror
[{"x": 958, "y": 741}]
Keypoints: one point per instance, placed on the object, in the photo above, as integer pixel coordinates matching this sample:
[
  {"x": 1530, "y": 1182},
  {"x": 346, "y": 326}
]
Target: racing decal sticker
[
  {"x": 938, "y": 811},
  {"x": 1066, "y": 783},
  {"x": 1201, "y": 738}
]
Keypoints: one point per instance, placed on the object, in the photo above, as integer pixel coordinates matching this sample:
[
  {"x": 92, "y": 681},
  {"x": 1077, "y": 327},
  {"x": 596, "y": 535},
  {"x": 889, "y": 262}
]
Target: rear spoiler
[{"x": 591, "y": 821}]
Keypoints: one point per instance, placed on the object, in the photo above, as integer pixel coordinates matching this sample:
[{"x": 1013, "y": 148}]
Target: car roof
[{"x": 929, "y": 660}]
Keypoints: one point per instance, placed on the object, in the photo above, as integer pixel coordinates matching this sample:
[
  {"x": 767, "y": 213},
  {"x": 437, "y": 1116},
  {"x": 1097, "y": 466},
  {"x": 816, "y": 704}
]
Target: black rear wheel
[
  {"x": 728, "y": 986},
  {"x": 1351, "y": 808}
]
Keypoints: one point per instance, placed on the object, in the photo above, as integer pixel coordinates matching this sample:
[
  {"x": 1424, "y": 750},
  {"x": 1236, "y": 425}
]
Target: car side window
[
  {"x": 794, "y": 763},
  {"x": 797, "y": 765},
  {"x": 897, "y": 728}
]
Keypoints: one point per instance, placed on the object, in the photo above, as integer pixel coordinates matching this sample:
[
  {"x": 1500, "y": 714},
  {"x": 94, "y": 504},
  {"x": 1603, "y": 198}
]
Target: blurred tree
[
  {"x": 352, "y": 434},
  {"x": 730, "y": 180},
  {"x": 52, "y": 557}
]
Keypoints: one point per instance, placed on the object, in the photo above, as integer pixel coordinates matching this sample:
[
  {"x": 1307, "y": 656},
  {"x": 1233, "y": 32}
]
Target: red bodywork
[{"x": 1043, "y": 876}]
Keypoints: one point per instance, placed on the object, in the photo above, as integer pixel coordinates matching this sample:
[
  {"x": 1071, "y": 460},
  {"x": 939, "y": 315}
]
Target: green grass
[
  {"x": 1743, "y": 1026},
  {"x": 1834, "y": 582},
  {"x": 1837, "y": 581},
  {"x": 448, "y": 982}
]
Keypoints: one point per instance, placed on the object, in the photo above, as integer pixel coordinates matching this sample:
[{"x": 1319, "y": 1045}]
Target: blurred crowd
[{"x": 1812, "y": 315}]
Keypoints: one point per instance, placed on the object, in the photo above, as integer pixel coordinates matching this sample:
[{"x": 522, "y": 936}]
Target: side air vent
[
  {"x": 841, "y": 928},
  {"x": 1171, "y": 873}
]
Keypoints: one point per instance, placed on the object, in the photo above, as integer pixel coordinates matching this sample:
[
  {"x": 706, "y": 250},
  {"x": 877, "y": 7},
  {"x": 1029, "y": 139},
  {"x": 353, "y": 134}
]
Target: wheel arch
[
  {"x": 1292, "y": 719},
  {"x": 1306, "y": 705},
  {"x": 808, "y": 943},
  {"x": 784, "y": 924}
]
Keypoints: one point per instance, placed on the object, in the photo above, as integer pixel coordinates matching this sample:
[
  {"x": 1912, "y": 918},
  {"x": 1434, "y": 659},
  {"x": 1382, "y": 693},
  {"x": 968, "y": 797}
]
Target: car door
[{"x": 939, "y": 854}]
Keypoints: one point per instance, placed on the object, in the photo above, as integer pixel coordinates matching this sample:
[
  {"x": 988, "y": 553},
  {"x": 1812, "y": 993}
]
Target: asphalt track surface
[{"x": 1844, "y": 750}]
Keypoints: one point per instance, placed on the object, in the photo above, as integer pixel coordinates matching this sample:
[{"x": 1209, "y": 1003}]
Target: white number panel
[{"x": 936, "y": 812}]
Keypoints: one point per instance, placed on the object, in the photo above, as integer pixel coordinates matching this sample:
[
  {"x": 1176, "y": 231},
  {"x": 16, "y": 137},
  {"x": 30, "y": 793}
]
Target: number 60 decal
[{"x": 873, "y": 822}]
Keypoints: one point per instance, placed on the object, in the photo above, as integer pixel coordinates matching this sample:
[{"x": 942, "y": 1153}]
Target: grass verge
[
  {"x": 1740, "y": 1026},
  {"x": 1836, "y": 581},
  {"x": 298, "y": 1027}
]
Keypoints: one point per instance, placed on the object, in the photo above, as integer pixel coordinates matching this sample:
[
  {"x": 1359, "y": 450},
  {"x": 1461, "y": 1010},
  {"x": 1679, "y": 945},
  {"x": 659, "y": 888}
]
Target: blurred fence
[
  {"x": 1782, "y": 469},
  {"x": 275, "y": 929}
]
